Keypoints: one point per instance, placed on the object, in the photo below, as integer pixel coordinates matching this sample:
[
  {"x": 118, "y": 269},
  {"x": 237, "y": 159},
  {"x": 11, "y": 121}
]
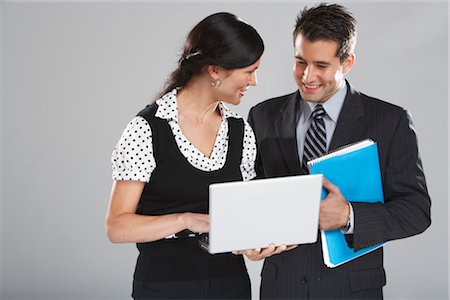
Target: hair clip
[{"x": 192, "y": 54}]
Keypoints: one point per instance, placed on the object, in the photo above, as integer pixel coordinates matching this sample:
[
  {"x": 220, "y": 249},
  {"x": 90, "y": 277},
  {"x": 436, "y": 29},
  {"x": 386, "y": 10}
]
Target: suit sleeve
[
  {"x": 258, "y": 163},
  {"x": 406, "y": 210}
]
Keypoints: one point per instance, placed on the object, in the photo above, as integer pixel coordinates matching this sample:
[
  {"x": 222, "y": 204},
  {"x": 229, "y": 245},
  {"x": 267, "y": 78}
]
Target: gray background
[{"x": 74, "y": 74}]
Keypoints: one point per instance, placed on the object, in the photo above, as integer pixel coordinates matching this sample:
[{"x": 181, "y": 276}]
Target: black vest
[{"x": 176, "y": 186}]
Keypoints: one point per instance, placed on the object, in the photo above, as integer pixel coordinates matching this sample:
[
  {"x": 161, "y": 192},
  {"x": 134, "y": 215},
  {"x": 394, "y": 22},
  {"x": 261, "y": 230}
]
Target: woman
[{"x": 170, "y": 153}]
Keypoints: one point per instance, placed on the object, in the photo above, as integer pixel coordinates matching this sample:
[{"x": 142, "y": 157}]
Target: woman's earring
[{"x": 216, "y": 83}]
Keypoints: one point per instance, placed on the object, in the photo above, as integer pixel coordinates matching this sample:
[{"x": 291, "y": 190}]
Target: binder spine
[{"x": 340, "y": 151}]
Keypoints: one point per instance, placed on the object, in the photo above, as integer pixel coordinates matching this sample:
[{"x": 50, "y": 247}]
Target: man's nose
[{"x": 308, "y": 73}]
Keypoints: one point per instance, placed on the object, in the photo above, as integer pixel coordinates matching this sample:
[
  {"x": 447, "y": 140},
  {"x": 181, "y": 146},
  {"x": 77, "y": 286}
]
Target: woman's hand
[
  {"x": 195, "y": 222},
  {"x": 258, "y": 254}
]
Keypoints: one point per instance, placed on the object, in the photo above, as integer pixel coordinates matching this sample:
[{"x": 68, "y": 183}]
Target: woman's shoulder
[
  {"x": 138, "y": 126},
  {"x": 149, "y": 111}
]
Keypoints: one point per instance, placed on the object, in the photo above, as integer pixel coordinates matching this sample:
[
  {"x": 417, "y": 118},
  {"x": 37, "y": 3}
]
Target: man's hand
[
  {"x": 334, "y": 209},
  {"x": 258, "y": 254}
]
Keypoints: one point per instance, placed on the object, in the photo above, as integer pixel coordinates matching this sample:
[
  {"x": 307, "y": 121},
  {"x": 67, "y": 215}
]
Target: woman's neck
[{"x": 196, "y": 103}]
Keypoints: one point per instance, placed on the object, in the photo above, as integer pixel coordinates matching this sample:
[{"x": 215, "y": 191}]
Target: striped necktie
[{"x": 316, "y": 137}]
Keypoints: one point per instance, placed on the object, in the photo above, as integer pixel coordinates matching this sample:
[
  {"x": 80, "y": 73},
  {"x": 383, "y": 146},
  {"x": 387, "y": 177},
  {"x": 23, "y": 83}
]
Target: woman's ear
[{"x": 214, "y": 72}]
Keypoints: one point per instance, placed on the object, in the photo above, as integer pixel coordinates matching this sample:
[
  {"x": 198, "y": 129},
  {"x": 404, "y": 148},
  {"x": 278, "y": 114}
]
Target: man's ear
[{"x": 348, "y": 63}]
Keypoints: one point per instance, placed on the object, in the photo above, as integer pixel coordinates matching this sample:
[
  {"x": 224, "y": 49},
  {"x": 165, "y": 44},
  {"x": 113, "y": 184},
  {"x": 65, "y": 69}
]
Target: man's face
[{"x": 317, "y": 70}]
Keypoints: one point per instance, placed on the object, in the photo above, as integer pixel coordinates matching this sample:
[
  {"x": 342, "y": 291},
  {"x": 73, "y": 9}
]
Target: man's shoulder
[{"x": 373, "y": 104}]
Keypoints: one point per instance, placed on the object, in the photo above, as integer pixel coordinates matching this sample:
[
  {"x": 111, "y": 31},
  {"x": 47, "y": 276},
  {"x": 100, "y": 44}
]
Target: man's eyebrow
[{"x": 319, "y": 62}]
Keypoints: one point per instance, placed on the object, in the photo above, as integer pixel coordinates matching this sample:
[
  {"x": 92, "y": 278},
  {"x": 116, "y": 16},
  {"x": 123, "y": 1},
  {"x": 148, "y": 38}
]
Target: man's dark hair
[{"x": 328, "y": 22}]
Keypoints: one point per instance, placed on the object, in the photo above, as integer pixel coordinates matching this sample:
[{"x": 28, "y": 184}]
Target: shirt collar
[
  {"x": 168, "y": 109},
  {"x": 226, "y": 112},
  {"x": 332, "y": 106},
  {"x": 167, "y": 106}
]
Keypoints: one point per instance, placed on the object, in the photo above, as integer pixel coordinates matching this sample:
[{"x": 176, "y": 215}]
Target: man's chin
[{"x": 310, "y": 98}]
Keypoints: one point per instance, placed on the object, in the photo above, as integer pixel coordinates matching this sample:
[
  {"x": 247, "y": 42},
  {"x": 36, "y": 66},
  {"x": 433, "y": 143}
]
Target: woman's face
[{"x": 234, "y": 83}]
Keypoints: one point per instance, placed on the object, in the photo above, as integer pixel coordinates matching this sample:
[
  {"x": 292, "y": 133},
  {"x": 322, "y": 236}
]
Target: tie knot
[{"x": 318, "y": 112}]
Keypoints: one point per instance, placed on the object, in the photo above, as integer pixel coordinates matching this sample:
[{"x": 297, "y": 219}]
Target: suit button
[
  {"x": 318, "y": 278},
  {"x": 305, "y": 280}
]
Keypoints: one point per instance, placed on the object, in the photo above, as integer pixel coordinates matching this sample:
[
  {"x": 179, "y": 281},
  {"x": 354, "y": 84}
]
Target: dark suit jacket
[{"x": 301, "y": 273}]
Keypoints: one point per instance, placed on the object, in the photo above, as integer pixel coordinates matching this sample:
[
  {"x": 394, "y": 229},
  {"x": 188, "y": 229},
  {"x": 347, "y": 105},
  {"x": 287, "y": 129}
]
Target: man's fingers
[
  {"x": 291, "y": 247},
  {"x": 329, "y": 186},
  {"x": 280, "y": 249},
  {"x": 258, "y": 254}
]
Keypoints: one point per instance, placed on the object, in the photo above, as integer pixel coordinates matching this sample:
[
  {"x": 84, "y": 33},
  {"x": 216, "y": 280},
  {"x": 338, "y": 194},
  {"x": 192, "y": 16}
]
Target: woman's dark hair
[
  {"x": 328, "y": 22},
  {"x": 221, "y": 39}
]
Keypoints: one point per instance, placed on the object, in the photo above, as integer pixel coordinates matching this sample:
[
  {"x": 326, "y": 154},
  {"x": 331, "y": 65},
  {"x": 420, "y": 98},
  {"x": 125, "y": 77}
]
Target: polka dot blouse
[{"x": 132, "y": 158}]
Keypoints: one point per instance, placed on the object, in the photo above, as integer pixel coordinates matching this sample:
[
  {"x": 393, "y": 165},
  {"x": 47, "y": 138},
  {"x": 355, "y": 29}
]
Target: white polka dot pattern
[
  {"x": 132, "y": 158},
  {"x": 131, "y": 149}
]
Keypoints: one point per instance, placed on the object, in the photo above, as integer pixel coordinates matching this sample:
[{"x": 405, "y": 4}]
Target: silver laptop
[{"x": 253, "y": 214}]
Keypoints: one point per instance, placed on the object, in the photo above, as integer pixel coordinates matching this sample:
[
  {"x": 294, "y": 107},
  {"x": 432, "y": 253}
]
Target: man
[{"x": 324, "y": 42}]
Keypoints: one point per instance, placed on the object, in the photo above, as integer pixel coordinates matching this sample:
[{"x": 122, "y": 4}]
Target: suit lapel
[
  {"x": 350, "y": 125},
  {"x": 285, "y": 130}
]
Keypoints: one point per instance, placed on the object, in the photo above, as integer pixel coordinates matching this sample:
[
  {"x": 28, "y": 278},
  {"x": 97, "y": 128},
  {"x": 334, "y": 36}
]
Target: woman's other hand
[{"x": 196, "y": 222}]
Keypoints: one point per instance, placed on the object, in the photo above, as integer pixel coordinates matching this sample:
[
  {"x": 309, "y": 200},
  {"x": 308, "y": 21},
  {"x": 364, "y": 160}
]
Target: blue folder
[{"x": 357, "y": 174}]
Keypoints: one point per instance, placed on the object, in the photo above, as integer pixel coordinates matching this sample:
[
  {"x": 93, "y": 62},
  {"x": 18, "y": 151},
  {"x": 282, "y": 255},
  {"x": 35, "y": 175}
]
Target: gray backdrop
[{"x": 74, "y": 74}]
